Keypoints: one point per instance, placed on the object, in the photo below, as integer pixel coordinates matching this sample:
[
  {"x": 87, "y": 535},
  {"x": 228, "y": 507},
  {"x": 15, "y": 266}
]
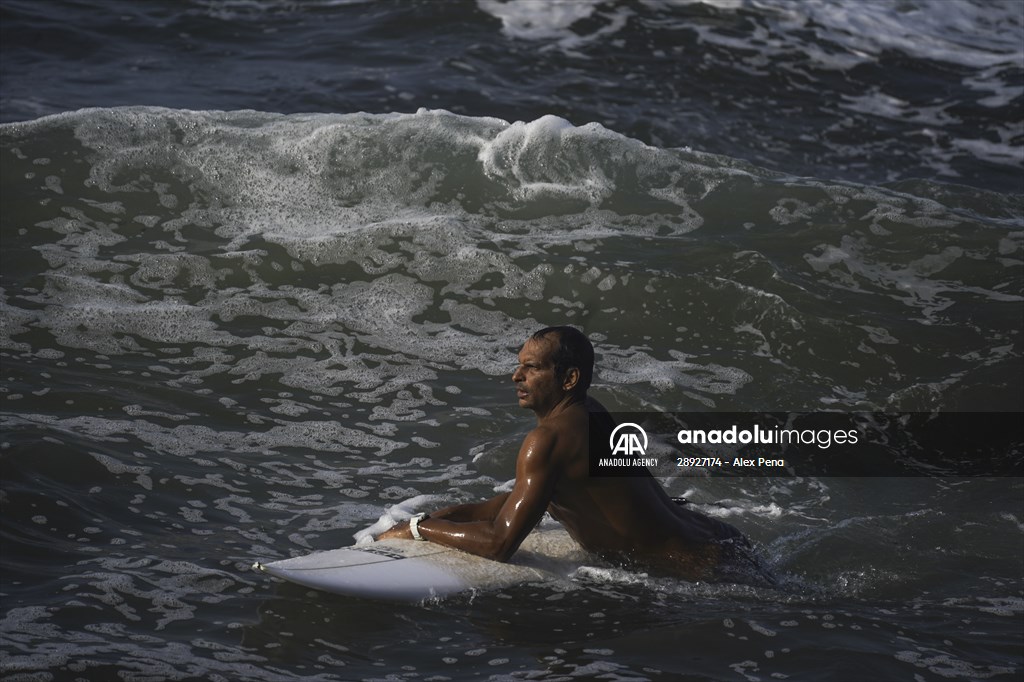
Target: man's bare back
[{"x": 623, "y": 519}]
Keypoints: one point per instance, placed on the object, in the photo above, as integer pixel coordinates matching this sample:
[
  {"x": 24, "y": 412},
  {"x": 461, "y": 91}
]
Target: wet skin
[{"x": 623, "y": 519}]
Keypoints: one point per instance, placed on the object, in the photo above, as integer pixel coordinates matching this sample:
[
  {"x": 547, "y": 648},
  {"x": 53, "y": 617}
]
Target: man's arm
[
  {"x": 515, "y": 513},
  {"x": 462, "y": 513},
  {"x": 473, "y": 511}
]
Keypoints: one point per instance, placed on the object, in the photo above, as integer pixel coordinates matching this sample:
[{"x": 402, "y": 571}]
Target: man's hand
[{"x": 399, "y": 531}]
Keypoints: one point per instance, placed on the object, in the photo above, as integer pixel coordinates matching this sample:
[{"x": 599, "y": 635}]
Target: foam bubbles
[
  {"x": 393, "y": 515},
  {"x": 552, "y": 22}
]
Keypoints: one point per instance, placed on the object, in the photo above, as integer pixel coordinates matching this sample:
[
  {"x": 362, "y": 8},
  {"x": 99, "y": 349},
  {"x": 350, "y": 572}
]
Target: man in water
[{"x": 628, "y": 519}]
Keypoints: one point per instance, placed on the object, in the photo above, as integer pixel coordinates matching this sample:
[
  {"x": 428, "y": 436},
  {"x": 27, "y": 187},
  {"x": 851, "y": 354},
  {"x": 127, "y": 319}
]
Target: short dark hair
[{"x": 574, "y": 350}]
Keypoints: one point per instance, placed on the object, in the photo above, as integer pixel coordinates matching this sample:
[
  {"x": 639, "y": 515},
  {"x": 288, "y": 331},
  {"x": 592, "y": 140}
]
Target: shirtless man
[{"x": 628, "y": 520}]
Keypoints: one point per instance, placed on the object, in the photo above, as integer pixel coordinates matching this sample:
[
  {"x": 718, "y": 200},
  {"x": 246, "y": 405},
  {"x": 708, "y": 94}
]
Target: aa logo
[{"x": 628, "y": 439}]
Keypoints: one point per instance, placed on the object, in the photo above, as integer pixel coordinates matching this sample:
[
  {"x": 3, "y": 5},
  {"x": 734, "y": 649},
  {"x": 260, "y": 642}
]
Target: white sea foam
[
  {"x": 393, "y": 515},
  {"x": 943, "y": 30},
  {"x": 551, "y": 23},
  {"x": 302, "y": 197}
]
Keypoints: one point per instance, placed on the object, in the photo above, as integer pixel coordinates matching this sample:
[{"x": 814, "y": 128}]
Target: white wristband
[{"x": 414, "y": 525}]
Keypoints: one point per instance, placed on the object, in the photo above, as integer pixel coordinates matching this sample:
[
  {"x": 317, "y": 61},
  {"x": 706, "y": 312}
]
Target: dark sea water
[{"x": 265, "y": 266}]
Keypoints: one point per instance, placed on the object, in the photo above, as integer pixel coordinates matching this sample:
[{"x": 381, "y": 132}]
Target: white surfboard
[{"x": 408, "y": 570}]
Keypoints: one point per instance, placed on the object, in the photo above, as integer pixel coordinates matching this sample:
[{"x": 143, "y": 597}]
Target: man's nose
[{"x": 517, "y": 374}]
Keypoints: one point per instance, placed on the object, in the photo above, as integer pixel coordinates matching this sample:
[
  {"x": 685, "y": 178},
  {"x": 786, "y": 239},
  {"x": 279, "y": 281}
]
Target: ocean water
[{"x": 264, "y": 267}]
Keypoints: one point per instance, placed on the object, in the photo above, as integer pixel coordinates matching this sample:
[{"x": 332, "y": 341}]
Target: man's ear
[{"x": 572, "y": 377}]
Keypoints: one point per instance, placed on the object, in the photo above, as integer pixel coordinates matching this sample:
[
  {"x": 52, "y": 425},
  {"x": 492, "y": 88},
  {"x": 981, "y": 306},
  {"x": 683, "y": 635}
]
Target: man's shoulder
[
  {"x": 553, "y": 434},
  {"x": 543, "y": 436},
  {"x": 539, "y": 448},
  {"x": 569, "y": 422}
]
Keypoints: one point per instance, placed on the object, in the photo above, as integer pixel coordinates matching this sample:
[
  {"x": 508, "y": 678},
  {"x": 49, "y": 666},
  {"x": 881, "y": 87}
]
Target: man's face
[{"x": 537, "y": 386}]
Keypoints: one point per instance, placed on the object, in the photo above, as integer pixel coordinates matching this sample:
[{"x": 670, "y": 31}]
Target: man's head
[
  {"x": 574, "y": 351},
  {"x": 554, "y": 363}
]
